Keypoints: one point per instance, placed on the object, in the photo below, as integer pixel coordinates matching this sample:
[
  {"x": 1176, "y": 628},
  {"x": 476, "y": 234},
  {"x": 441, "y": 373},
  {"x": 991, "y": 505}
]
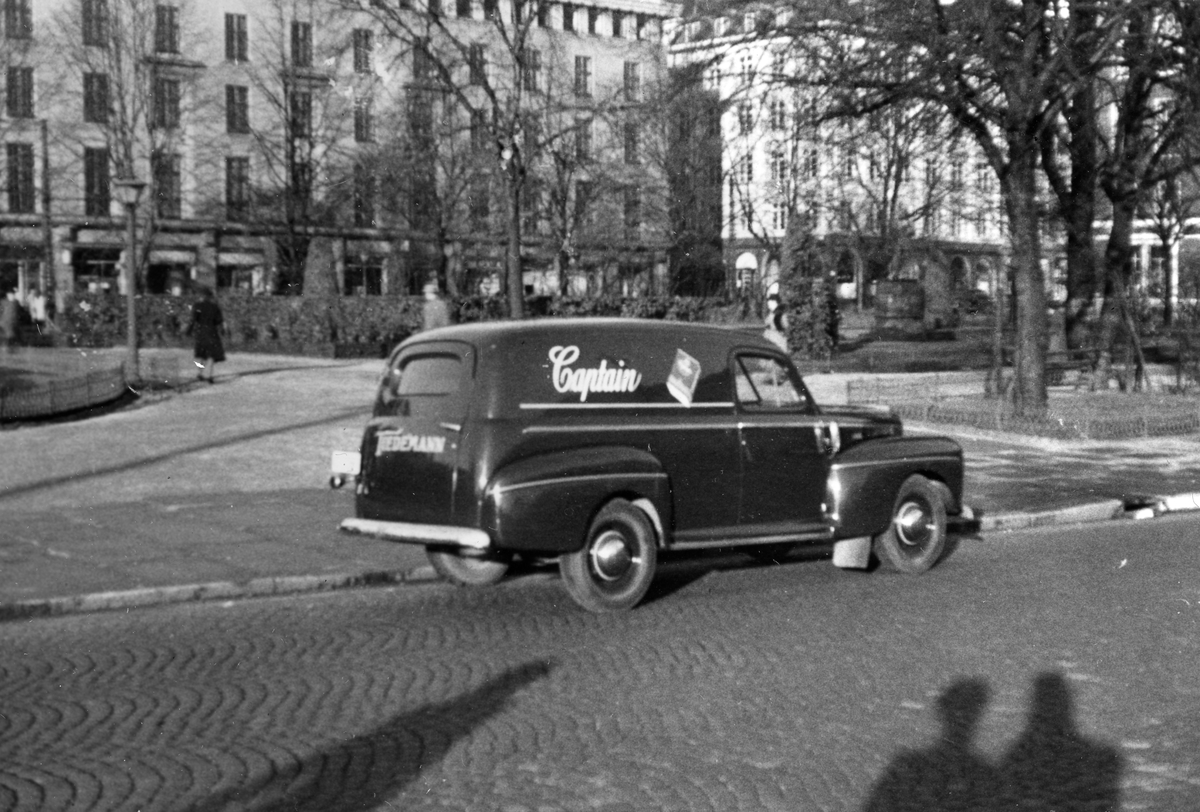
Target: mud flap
[{"x": 852, "y": 554}]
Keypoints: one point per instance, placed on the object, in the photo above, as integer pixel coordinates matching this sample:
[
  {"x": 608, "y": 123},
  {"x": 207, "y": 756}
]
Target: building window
[
  {"x": 18, "y": 19},
  {"x": 364, "y": 45},
  {"x": 479, "y": 206},
  {"x": 300, "y": 114},
  {"x": 364, "y": 197},
  {"x": 237, "y": 109},
  {"x": 166, "y": 103},
  {"x": 95, "y": 98},
  {"x": 745, "y": 116},
  {"x": 583, "y": 140},
  {"x": 631, "y": 142},
  {"x": 20, "y": 93},
  {"x": 593, "y": 14},
  {"x": 531, "y": 69},
  {"x": 779, "y": 170},
  {"x": 301, "y": 180},
  {"x": 643, "y": 26},
  {"x": 435, "y": 8},
  {"x": 364, "y": 120},
  {"x": 423, "y": 67},
  {"x": 812, "y": 163},
  {"x": 95, "y": 23},
  {"x": 633, "y": 213},
  {"x": 97, "y": 190},
  {"x": 489, "y": 9},
  {"x": 583, "y": 76},
  {"x": 479, "y": 130},
  {"x": 984, "y": 178},
  {"x": 779, "y": 217},
  {"x": 168, "y": 185},
  {"x": 746, "y": 170},
  {"x": 777, "y": 115},
  {"x": 585, "y": 192},
  {"x": 301, "y": 44},
  {"x": 616, "y": 23},
  {"x": 20, "y": 178},
  {"x": 236, "y": 40},
  {"x": 568, "y": 12},
  {"x": 166, "y": 29},
  {"x": 543, "y": 14},
  {"x": 633, "y": 81},
  {"x": 476, "y": 64},
  {"x": 237, "y": 188},
  {"x": 463, "y": 8},
  {"x": 364, "y": 276}
]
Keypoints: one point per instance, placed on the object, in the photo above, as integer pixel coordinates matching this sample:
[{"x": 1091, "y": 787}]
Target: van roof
[{"x": 482, "y": 333}]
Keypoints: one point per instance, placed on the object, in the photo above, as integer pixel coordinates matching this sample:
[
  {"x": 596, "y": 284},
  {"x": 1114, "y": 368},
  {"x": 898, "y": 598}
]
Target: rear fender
[
  {"x": 544, "y": 503},
  {"x": 864, "y": 479}
]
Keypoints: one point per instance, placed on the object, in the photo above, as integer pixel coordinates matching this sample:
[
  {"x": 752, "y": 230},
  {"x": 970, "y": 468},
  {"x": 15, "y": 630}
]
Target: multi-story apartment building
[
  {"x": 322, "y": 143},
  {"x": 894, "y": 195}
]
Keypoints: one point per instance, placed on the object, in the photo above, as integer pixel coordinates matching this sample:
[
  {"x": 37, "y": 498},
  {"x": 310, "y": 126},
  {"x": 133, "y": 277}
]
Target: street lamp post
[{"x": 129, "y": 194}]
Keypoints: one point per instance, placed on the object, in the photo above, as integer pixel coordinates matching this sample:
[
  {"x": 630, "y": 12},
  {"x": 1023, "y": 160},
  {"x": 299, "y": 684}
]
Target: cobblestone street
[{"x": 737, "y": 687}]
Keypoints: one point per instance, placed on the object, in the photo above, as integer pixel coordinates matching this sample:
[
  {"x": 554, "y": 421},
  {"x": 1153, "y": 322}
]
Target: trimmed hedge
[{"x": 340, "y": 325}]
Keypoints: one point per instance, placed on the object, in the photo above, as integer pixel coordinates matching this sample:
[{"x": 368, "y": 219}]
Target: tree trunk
[
  {"x": 1117, "y": 266},
  {"x": 1029, "y": 393},
  {"x": 514, "y": 282}
]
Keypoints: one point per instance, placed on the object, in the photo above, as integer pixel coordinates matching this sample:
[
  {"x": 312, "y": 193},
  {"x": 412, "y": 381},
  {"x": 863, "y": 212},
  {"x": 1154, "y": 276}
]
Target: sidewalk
[{"x": 221, "y": 491}]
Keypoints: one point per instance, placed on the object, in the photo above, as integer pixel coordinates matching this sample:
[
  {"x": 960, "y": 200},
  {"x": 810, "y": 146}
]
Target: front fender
[
  {"x": 864, "y": 479},
  {"x": 544, "y": 503}
]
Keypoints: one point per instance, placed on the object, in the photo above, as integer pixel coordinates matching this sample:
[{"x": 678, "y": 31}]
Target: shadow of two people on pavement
[{"x": 1051, "y": 765}]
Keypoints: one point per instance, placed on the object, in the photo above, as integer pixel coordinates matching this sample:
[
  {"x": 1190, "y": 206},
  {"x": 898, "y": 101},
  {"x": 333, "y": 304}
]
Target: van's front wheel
[
  {"x": 616, "y": 564},
  {"x": 916, "y": 537},
  {"x": 462, "y": 570}
]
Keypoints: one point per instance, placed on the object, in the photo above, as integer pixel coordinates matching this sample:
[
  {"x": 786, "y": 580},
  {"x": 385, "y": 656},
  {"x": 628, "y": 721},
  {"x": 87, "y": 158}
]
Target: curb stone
[
  {"x": 969, "y": 521},
  {"x": 216, "y": 590}
]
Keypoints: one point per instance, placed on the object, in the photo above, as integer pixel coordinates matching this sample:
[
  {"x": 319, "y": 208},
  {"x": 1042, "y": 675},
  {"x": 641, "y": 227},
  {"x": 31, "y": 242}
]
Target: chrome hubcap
[
  {"x": 611, "y": 557},
  {"x": 914, "y": 524}
]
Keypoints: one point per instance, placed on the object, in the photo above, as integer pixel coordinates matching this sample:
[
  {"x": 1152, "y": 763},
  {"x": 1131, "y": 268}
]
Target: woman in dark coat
[{"x": 205, "y": 329}]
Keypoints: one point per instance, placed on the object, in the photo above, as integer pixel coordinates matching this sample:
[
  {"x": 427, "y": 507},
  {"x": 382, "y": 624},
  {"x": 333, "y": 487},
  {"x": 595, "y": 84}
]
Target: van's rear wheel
[
  {"x": 462, "y": 570},
  {"x": 616, "y": 564},
  {"x": 916, "y": 536}
]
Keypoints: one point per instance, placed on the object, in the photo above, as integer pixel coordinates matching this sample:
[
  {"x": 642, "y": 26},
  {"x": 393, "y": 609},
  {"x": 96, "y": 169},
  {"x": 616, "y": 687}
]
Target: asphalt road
[{"x": 1055, "y": 667}]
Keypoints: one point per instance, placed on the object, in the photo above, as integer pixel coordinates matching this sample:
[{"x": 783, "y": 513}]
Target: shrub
[
  {"x": 324, "y": 325},
  {"x": 811, "y": 314}
]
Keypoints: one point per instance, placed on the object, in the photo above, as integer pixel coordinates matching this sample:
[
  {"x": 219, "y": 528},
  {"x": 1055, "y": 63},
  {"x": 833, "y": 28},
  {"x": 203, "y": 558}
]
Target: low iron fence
[
  {"x": 961, "y": 399},
  {"x": 72, "y": 389}
]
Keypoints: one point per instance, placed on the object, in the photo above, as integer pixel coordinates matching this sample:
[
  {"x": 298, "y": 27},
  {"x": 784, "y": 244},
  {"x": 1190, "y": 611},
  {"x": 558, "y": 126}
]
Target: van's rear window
[{"x": 429, "y": 375}]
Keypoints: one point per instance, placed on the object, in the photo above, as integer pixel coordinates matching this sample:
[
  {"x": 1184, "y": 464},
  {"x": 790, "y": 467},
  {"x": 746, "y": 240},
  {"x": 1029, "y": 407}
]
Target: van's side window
[{"x": 765, "y": 383}]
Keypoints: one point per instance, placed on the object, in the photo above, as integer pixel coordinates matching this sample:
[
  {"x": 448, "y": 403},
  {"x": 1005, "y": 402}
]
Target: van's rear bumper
[{"x": 411, "y": 533}]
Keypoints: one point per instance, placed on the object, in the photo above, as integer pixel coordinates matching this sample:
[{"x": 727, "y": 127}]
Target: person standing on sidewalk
[
  {"x": 9, "y": 316},
  {"x": 206, "y": 331},
  {"x": 434, "y": 313},
  {"x": 37, "y": 310}
]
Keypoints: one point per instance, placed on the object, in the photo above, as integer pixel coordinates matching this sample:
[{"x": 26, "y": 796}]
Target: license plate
[{"x": 348, "y": 463}]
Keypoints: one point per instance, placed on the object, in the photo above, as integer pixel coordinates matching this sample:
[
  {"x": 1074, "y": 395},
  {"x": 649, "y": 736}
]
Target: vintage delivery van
[{"x": 602, "y": 442}]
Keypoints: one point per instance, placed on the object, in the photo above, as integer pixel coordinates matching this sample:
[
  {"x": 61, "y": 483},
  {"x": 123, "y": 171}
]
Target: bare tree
[
  {"x": 996, "y": 70},
  {"x": 439, "y": 48},
  {"x": 1151, "y": 88},
  {"x": 305, "y": 127},
  {"x": 141, "y": 92}
]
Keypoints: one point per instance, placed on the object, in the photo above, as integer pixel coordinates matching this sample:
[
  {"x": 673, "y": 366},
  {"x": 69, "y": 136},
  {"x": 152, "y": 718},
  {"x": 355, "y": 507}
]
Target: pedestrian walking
[
  {"x": 37, "y": 309},
  {"x": 206, "y": 331},
  {"x": 776, "y": 323},
  {"x": 434, "y": 313},
  {"x": 9, "y": 315}
]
